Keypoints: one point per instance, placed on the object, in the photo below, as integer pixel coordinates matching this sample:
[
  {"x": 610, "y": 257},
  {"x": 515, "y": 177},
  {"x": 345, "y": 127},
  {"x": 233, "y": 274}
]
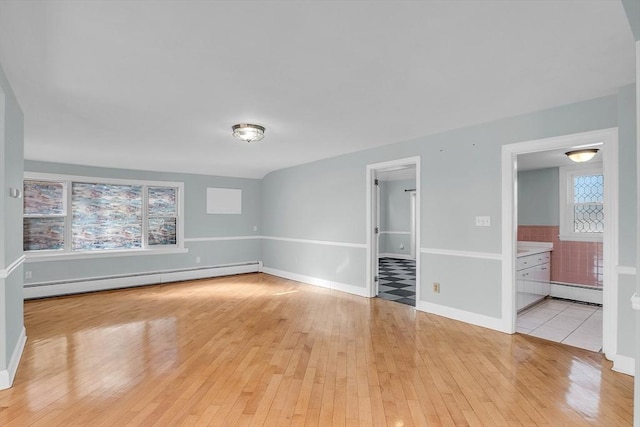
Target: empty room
[{"x": 273, "y": 213}]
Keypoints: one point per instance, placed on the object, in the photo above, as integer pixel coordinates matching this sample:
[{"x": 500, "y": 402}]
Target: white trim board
[
  {"x": 47, "y": 256},
  {"x": 407, "y": 233},
  {"x": 6, "y": 272},
  {"x": 461, "y": 315},
  {"x": 392, "y": 255},
  {"x": 119, "y": 282},
  {"x": 626, "y": 270},
  {"x": 316, "y": 242},
  {"x": 7, "y": 376},
  {"x": 465, "y": 254},
  {"x": 315, "y": 281},
  {"x": 220, "y": 239},
  {"x": 609, "y": 140},
  {"x": 635, "y": 302}
]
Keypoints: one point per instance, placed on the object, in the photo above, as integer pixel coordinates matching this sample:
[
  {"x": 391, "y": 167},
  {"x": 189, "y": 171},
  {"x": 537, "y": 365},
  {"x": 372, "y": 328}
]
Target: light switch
[{"x": 483, "y": 221}]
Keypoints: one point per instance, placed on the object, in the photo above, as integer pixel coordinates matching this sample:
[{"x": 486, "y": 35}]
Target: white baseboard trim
[
  {"x": 624, "y": 364},
  {"x": 576, "y": 293},
  {"x": 103, "y": 284},
  {"x": 343, "y": 287},
  {"x": 462, "y": 315},
  {"x": 398, "y": 256},
  {"x": 7, "y": 376}
]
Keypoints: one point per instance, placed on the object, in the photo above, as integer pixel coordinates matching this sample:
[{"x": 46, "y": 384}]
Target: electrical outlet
[
  {"x": 436, "y": 287},
  {"x": 28, "y": 275},
  {"x": 483, "y": 221},
  {"x": 401, "y": 245},
  {"x": 197, "y": 260},
  {"x": 255, "y": 228}
]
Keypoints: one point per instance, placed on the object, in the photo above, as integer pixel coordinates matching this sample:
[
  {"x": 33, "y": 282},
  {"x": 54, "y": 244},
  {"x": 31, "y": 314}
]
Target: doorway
[
  {"x": 515, "y": 157},
  {"x": 393, "y": 237},
  {"x": 559, "y": 260}
]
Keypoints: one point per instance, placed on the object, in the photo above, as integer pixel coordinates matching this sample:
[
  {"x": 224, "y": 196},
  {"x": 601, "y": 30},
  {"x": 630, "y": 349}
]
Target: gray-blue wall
[
  {"x": 395, "y": 217},
  {"x": 538, "y": 197},
  {"x": 460, "y": 179},
  {"x": 11, "y": 155},
  {"x": 198, "y": 225}
]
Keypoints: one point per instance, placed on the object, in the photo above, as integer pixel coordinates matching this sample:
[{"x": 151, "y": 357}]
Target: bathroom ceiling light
[
  {"x": 248, "y": 132},
  {"x": 580, "y": 156}
]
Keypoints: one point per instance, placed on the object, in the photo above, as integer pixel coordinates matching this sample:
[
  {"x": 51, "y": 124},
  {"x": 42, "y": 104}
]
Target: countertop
[{"x": 533, "y": 248}]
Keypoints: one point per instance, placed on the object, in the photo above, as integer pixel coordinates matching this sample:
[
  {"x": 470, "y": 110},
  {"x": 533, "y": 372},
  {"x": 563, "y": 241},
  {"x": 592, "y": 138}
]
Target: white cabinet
[{"x": 532, "y": 278}]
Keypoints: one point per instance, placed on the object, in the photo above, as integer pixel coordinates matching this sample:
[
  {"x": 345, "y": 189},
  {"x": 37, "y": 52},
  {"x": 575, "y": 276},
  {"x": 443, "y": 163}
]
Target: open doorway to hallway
[
  {"x": 393, "y": 217},
  {"x": 396, "y": 248}
]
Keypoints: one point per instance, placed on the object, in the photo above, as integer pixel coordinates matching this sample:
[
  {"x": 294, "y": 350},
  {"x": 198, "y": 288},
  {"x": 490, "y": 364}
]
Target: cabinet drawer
[
  {"x": 533, "y": 260},
  {"x": 542, "y": 258},
  {"x": 525, "y": 262}
]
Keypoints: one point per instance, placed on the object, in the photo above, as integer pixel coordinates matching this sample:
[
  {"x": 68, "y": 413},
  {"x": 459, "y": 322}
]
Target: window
[
  {"x": 73, "y": 215},
  {"x": 44, "y": 215},
  {"x": 581, "y": 204},
  {"x": 162, "y": 216}
]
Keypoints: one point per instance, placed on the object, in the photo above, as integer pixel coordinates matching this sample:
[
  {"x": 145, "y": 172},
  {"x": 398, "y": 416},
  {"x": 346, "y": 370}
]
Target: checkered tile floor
[{"x": 397, "y": 280}]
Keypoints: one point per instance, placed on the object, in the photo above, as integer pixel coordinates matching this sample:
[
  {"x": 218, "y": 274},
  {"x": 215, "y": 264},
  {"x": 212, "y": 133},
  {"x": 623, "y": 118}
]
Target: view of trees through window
[{"x": 100, "y": 216}]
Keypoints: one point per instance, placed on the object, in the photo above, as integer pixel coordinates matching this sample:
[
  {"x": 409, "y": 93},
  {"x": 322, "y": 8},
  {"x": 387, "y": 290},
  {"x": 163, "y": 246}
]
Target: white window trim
[
  {"x": 54, "y": 255},
  {"x": 566, "y": 174}
]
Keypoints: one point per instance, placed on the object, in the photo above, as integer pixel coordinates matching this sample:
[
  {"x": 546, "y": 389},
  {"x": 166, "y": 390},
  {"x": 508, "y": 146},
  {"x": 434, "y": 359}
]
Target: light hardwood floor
[{"x": 258, "y": 350}]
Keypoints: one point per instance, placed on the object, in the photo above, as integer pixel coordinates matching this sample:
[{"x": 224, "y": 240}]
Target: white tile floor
[{"x": 567, "y": 322}]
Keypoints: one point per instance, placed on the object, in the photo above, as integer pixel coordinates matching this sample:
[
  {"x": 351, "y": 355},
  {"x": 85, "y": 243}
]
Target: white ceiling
[
  {"x": 402, "y": 173},
  {"x": 157, "y": 85},
  {"x": 552, "y": 159}
]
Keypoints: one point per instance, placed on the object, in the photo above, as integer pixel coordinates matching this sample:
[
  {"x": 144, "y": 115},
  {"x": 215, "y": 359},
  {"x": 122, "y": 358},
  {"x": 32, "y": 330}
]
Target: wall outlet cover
[{"x": 483, "y": 221}]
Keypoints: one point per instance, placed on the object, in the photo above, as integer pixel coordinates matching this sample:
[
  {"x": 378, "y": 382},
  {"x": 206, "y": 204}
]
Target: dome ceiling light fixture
[
  {"x": 248, "y": 132},
  {"x": 580, "y": 156}
]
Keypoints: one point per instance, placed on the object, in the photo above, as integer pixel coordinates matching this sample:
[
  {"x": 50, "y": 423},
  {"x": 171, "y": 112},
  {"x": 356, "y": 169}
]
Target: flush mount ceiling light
[
  {"x": 580, "y": 156},
  {"x": 248, "y": 132}
]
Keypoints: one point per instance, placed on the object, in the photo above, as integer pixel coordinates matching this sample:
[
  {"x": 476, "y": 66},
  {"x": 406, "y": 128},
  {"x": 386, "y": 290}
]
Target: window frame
[
  {"x": 68, "y": 253},
  {"x": 64, "y": 215},
  {"x": 566, "y": 204}
]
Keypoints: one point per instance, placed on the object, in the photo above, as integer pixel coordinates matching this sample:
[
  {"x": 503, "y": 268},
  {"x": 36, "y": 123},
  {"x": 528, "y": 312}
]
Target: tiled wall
[{"x": 571, "y": 262}]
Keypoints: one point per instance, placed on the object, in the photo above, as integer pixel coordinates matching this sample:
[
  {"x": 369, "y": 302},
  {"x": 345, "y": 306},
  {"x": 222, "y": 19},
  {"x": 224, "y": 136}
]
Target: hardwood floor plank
[{"x": 258, "y": 350}]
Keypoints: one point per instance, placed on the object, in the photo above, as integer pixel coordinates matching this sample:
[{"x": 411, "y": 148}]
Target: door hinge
[
  {"x": 375, "y": 278},
  {"x": 376, "y": 182},
  {"x": 376, "y": 230}
]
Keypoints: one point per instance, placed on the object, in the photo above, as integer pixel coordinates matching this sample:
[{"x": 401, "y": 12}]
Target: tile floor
[
  {"x": 397, "y": 280},
  {"x": 568, "y": 322}
]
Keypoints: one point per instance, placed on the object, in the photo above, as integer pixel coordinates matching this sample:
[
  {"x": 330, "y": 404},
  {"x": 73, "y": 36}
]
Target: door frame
[
  {"x": 609, "y": 138},
  {"x": 373, "y": 204},
  {"x": 412, "y": 208}
]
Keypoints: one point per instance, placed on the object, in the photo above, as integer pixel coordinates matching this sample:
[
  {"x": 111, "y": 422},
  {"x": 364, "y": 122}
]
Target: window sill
[
  {"x": 61, "y": 256},
  {"x": 580, "y": 238}
]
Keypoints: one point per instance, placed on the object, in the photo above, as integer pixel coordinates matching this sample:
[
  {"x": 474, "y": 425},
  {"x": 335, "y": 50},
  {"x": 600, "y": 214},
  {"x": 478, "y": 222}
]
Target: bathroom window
[
  {"x": 581, "y": 204},
  {"x": 77, "y": 216}
]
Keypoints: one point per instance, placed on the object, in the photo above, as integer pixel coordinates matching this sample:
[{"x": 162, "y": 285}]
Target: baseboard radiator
[{"x": 92, "y": 284}]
